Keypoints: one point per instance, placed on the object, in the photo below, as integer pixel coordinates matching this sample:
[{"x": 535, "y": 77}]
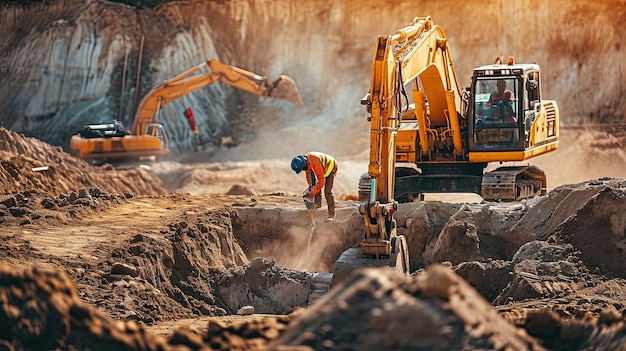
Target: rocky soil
[
  {"x": 213, "y": 250},
  {"x": 98, "y": 264}
]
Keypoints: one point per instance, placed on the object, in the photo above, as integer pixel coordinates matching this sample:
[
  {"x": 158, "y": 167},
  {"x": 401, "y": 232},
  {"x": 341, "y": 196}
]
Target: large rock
[{"x": 383, "y": 310}]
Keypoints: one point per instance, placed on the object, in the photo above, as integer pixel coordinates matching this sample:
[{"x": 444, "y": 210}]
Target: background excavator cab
[{"x": 158, "y": 131}]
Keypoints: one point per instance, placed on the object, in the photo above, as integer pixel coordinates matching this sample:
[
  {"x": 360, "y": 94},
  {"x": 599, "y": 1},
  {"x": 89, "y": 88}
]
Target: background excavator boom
[{"x": 203, "y": 75}]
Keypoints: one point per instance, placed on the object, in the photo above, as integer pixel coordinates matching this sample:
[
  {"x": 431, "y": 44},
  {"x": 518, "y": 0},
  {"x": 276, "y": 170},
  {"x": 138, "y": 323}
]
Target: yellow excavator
[
  {"x": 148, "y": 137},
  {"x": 440, "y": 139}
]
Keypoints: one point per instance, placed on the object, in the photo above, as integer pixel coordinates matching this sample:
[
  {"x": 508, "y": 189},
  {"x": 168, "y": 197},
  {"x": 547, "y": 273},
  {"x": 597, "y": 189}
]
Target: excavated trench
[
  {"x": 286, "y": 234},
  {"x": 290, "y": 261},
  {"x": 273, "y": 260}
]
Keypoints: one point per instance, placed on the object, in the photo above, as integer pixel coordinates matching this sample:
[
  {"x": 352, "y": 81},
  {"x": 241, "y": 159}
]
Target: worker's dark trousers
[{"x": 328, "y": 194}]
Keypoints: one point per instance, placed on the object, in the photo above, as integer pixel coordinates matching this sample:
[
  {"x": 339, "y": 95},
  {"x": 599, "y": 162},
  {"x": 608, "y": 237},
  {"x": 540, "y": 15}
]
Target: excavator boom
[
  {"x": 203, "y": 75},
  {"x": 416, "y": 54}
]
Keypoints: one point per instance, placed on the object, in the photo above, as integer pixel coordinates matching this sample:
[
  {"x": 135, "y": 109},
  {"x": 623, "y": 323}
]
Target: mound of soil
[
  {"x": 90, "y": 268},
  {"x": 28, "y": 164}
]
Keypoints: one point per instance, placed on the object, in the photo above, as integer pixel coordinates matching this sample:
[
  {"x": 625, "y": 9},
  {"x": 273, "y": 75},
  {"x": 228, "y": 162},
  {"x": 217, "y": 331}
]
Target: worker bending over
[{"x": 320, "y": 170}]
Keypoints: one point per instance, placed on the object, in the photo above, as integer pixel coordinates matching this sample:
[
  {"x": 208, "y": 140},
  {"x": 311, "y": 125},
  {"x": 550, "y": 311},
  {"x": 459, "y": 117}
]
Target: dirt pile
[
  {"x": 128, "y": 266},
  {"x": 433, "y": 311},
  {"x": 42, "y": 310},
  {"x": 38, "y": 206},
  {"x": 436, "y": 310},
  {"x": 28, "y": 164}
]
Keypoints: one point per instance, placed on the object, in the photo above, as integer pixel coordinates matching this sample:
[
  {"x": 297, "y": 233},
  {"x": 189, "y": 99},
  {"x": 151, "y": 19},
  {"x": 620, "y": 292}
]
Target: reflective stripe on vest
[{"x": 328, "y": 163}]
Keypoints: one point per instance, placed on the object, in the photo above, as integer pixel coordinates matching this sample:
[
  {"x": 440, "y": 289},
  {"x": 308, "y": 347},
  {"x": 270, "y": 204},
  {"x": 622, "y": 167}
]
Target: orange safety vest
[
  {"x": 507, "y": 94},
  {"x": 319, "y": 166}
]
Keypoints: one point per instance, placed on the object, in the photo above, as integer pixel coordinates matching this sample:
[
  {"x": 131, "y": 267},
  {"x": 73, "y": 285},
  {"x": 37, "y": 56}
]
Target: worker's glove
[{"x": 307, "y": 194}]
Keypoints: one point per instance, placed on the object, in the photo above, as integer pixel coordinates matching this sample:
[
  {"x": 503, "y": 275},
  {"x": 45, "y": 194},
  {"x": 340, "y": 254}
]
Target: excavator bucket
[{"x": 284, "y": 87}]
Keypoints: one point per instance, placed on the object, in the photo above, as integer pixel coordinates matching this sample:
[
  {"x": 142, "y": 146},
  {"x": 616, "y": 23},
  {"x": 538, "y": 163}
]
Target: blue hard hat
[{"x": 298, "y": 163}]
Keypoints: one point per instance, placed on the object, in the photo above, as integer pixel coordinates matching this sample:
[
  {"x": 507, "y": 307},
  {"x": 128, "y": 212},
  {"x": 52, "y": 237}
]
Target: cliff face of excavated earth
[{"x": 71, "y": 63}]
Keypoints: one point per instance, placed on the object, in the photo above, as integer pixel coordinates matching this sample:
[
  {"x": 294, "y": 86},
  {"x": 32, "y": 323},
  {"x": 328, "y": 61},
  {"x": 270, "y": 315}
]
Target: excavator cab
[
  {"x": 158, "y": 131},
  {"x": 507, "y": 118},
  {"x": 508, "y": 122},
  {"x": 497, "y": 111}
]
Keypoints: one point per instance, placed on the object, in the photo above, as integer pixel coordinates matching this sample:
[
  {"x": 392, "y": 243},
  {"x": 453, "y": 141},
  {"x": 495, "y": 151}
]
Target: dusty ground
[
  {"x": 168, "y": 256},
  {"x": 174, "y": 255}
]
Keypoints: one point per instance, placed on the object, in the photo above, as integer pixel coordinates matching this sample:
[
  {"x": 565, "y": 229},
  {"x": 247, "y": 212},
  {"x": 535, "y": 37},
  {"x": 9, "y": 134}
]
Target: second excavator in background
[
  {"x": 147, "y": 137},
  {"x": 439, "y": 138}
]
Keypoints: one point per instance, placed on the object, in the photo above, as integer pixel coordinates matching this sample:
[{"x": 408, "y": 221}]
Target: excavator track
[
  {"x": 513, "y": 183},
  {"x": 353, "y": 260}
]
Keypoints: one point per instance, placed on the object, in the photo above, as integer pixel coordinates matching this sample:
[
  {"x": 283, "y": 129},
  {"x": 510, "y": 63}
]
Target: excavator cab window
[
  {"x": 158, "y": 131},
  {"x": 496, "y": 113}
]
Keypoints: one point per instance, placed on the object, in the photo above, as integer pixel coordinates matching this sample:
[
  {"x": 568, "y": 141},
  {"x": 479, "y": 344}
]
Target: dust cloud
[
  {"x": 298, "y": 251},
  {"x": 298, "y": 245},
  {"x": 582, "y": 155}
]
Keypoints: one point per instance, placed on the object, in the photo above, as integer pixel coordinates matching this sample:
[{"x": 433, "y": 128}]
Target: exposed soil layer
[
  {"x": 101, "y": 264},
  {"x": 214, "y": 250}
]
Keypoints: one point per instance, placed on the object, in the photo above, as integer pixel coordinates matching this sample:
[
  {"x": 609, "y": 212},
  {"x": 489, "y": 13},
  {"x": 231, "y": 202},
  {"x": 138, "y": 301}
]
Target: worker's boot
[{"x": 330, "y": 199}]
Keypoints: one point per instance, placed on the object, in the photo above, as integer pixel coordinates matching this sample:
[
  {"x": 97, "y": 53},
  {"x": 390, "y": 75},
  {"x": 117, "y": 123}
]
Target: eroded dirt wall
[{"x": 67, "y": 64}]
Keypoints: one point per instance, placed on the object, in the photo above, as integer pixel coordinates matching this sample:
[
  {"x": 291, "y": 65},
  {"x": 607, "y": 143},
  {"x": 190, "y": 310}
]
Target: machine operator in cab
[{"x": 500, "y": 103}]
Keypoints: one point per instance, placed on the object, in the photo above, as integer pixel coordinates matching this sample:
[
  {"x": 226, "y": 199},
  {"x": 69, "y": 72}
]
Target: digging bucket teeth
[{"x": 284, "y": 87}]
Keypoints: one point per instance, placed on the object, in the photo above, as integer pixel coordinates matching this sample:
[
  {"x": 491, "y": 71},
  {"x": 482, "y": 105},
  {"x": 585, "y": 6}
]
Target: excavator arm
[
  {"x": 416, "y": 55},
  {"x": 202, "y": 75}
]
